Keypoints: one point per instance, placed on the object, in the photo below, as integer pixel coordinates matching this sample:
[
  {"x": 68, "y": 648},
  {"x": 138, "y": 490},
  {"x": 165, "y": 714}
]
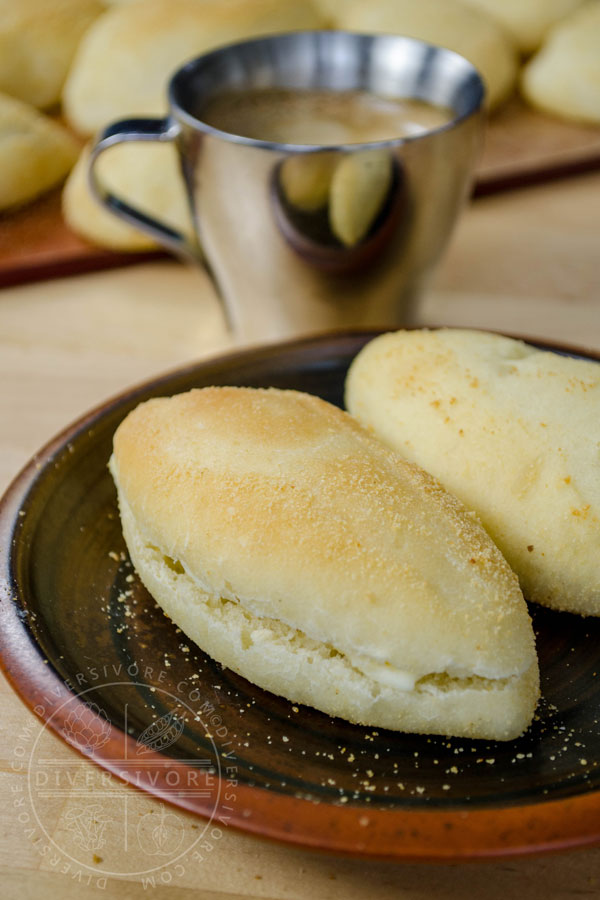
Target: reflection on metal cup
[
  {"x": 341, "y": 236},
  {"x": 304, "y": 237},
  {"x": 305, "y": 180}
]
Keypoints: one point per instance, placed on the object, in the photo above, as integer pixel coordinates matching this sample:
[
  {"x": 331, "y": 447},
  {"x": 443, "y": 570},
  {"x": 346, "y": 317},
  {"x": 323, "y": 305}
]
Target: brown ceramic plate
[{"x": 85, "y": 646}]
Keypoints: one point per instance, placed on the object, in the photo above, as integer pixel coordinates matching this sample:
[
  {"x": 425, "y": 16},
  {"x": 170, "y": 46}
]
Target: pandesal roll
[
  {"x": 527, "y": 21},
  {"x": 38, "y": 40},
  {"x": 300, "y": 552},
  {"x": 36, "y": 152},
  {"x": 512, "y": 430},
  {"x": 447, "y": 23},
  {"x": 563, "y": 78},
  {"x": 125, "y": 60},
  {"x": 144, "y": 175}
]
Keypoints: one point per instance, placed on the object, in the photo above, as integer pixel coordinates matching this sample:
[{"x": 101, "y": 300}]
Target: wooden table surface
[{"x": 526, "y": 261}]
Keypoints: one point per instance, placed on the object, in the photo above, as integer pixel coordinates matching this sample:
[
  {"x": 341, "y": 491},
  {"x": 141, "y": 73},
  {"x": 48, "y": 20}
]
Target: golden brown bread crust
[
  {"x": 511, "y": 430},
  {"x": 280, "y": 506}
]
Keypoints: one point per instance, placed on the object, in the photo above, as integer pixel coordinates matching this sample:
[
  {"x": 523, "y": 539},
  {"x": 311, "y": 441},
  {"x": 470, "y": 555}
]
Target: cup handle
[{"x": 161, "y": 130}]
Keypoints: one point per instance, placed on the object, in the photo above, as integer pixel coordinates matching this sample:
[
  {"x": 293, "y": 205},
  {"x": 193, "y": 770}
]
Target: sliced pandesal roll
[
  {"x": 513, "y": 431},
  {"x": 300, "y": 552}
]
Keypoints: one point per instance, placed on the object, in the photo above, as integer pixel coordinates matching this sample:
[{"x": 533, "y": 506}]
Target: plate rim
[{"x": 408, "y": 835}]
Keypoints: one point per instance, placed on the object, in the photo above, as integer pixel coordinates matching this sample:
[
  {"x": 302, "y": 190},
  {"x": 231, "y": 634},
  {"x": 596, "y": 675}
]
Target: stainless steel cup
[{"x": 278, "y": 266}]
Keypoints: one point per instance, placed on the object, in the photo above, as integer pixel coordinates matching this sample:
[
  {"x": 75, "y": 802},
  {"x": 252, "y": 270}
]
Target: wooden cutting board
[
  {"x": 522, "y": 147},
  {"x": 35, "y": 243}
]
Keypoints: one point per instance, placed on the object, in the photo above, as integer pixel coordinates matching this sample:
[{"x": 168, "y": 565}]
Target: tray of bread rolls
[
  {"x": 341, "y": 592},
  {"x": 539, "y": 64}
]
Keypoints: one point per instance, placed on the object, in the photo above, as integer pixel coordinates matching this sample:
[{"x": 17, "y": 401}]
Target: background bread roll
[
  {"x": 147, "y": 176},
  {"x": 126, "y": 58},
  {"x": 38, "y": 39},
  {"x": 446, "y": 23},
  {"x": 514, "y": 432},
  {"x": 564, "y": 77},
  {"x": 527, "y": 21},
  {"x": 303, "y": 554},
  {"x": 35, "y": 152},
  {"x": 332, "y": 11}
]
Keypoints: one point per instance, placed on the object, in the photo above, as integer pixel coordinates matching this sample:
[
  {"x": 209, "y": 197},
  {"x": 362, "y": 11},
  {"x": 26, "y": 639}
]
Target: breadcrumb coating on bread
[
  {"x": 513, "y": 431},
  {"x": 283, "y": 506}
]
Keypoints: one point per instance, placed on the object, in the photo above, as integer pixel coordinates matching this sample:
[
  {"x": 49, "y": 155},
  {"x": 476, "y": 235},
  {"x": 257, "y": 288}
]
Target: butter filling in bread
[
  {"x": 511, "y": 430},
  {"x": 299, "y": 552}
]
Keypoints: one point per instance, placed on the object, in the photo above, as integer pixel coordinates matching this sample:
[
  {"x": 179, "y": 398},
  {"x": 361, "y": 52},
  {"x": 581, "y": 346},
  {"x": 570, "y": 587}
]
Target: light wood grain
[{"x": 521, "y": 262}]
